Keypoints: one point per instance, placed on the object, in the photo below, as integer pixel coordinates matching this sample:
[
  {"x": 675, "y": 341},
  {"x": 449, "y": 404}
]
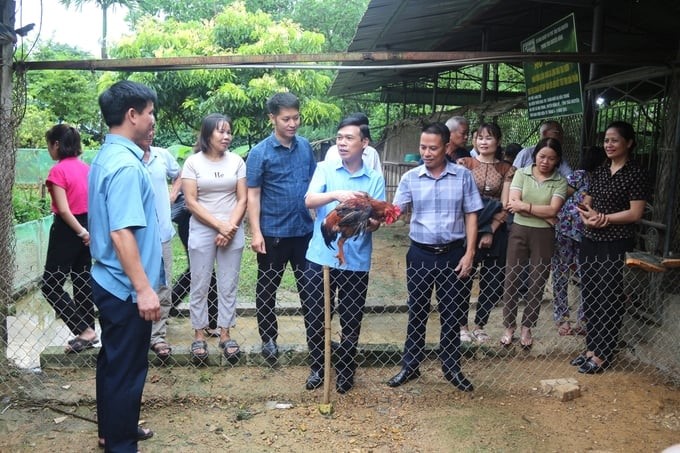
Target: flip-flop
[
  {"x": 142, "y": 434},
  {"x": 230, "y": 344},
  {"x": 79, "y": 345},
  {"x": 195, "y": 346},
  {"x": 507, "y": 340},
  {"x": 161, "y": 349}
]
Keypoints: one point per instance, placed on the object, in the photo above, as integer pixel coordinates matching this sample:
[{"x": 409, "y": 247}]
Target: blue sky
[{"x": 79, "y": 28}]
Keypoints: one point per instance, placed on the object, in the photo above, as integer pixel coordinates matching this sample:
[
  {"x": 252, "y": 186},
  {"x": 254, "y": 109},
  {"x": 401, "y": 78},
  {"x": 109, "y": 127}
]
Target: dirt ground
[
  {"x": 256, "y": 409},
  {"x": 259, "y": 409}
]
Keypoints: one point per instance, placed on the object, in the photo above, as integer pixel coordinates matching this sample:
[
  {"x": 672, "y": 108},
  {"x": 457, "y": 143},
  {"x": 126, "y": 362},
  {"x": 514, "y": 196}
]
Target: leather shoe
[
  {"x": 314, "y": 380},
  {"x": 578, "y": 361},
  {"x": 590, "y": 367},
  {"x": 270, "y": 352},
  {"x": 459, "y": 381},
  {"x": 403, "y": 377},
  {"x": 344, "y": 384}
]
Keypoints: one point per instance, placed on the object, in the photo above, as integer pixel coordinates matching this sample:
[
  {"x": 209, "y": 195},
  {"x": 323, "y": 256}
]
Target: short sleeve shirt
[
  {"x": 613, "y": 193},
  {"x": 489, "y": 177},
  {"x": 439, "y": 204},
  {"x": 121, "y": 196},
  {"x": 162, "y": 166},
  {"x": 216, "y": 183},
  {"x": 330, "y": 176},
  {"x": 538, "y": 193},
  {"x": 283, "y": 175},
  {"x": 71, "y": 175}
]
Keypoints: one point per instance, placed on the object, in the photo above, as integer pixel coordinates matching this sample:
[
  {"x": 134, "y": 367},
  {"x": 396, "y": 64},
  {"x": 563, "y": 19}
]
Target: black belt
[{"x": 439, "y": 249}]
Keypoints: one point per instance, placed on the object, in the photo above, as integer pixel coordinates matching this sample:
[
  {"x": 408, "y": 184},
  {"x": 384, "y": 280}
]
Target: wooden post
[{"x": 327, "y": 335}]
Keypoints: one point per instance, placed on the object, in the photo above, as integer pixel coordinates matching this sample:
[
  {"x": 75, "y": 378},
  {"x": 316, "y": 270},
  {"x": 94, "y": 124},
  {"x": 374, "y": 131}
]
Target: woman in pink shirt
[{"x": 68, "y": 252}]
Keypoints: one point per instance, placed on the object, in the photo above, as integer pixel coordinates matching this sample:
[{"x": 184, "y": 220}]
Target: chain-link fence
[{"x": 626, "y": 313}]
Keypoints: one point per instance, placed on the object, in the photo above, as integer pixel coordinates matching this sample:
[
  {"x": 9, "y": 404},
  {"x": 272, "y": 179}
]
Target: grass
[{"x": 248, "y": 271}]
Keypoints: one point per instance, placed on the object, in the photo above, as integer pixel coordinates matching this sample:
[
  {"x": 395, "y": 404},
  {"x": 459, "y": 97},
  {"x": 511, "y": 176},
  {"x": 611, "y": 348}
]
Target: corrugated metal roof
[{"x": 464, "y": 25}]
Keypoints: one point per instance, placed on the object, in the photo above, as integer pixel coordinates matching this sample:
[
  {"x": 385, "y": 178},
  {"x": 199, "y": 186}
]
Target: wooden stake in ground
[{"x": 326, "y": 407}]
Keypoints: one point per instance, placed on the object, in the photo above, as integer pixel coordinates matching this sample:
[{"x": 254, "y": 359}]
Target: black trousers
[
  {"x": 602, "y": 293},
  {"x": 351, "y": 288},
  {"x": 427, "y": 272},
  {"x": 270, "y": 268},
  {"x": 122, "y": 366},
  {"x": 67, "y": 256}
]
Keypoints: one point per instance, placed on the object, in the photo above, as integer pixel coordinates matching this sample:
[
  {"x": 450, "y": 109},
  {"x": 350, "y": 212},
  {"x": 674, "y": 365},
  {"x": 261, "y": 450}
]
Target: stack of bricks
[{"x": 566, "y": 389}]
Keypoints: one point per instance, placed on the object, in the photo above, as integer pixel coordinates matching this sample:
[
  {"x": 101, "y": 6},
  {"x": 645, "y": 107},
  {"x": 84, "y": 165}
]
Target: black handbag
[{"x": 178, "y": 210}]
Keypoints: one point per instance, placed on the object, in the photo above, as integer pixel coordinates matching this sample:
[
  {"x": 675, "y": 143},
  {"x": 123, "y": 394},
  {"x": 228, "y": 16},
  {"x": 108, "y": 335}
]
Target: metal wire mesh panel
[{"x": 639, "y": 325}]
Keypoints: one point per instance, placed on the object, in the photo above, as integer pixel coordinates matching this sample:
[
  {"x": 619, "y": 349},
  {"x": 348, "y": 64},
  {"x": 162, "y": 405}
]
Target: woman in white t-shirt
[{"x": 214, "y": 186}]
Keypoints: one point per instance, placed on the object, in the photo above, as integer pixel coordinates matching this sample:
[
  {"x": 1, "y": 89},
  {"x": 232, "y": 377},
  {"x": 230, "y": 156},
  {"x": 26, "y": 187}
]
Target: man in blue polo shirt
[
  {"x": 336, "y": 181},
  {"x": 126, "y": 247},
  {"x": 278, "y": 171}
]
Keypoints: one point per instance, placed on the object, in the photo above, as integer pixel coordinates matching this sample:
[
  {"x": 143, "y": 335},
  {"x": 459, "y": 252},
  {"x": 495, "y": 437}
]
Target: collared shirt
[
  {"x": 538, "y": 193},
  {"x": 439, "y": 204},
  {"x": 283, "y": 175},
  {"x": 162, "y": 165},
  {"x": 330, "y": 176},
  {"x": 613, "y": 193},
  {"x": 525, "y": 159},
  {"x": 121, "y": 196},
  {"x": 370, "y": 157}
]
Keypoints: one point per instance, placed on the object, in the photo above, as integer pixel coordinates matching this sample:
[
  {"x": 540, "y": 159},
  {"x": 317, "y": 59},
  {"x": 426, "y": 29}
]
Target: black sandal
[
  {"x": 79, "y": 345},
  {"x": 233, "y": 356},
  {"x": 198, "y": 345}
]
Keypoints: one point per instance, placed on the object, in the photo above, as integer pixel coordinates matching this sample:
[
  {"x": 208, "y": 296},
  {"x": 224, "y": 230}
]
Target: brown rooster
[{"x": 351, "y": 218}]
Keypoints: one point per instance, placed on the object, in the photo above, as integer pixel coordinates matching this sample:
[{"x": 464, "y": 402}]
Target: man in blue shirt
[
  {"x": 278, "y": 171},
  {"x": 445, "y": 201},
  {"x": 336, "y": 181},
  {"x": 126, "y": 247}
]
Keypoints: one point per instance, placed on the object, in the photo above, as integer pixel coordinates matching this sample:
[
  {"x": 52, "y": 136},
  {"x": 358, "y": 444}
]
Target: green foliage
[
  {"x": 185, "y": 97},
  {"x": 59, "y": 96},
  {"x": 29, "y": 204}
]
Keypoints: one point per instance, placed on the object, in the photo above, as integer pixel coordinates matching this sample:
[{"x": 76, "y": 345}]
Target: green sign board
[{"x": 553, "y": 88}]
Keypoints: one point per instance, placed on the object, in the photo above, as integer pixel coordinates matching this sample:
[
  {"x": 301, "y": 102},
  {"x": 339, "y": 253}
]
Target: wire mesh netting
[{"x": 631, "y": 311}]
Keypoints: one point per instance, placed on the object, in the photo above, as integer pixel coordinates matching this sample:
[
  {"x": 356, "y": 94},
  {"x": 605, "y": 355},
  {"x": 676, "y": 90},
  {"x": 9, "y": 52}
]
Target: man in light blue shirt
[
  {"x": 333, "y": 182},
  {"x": 162, "y": 166},
  {"x": 126, "y": 247}
]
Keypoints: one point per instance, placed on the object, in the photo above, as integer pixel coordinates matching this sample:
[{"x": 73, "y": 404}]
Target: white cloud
[{"x": 80, "y": 28}]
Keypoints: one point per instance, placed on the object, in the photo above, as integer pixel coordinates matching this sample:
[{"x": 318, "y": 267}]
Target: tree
[
  {"x": 104, "y": 5},
  {"x": 184, "y": 97},
  {"x": 336, "y": 20},
  {"x": 54, "y": 96}
]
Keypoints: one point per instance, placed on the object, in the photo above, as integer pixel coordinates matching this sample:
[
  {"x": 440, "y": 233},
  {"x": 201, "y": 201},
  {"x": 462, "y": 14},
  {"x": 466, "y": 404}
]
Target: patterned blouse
[
  {"x": 489, "y": 177},
  {"x": 569, "y": 223},
  {"x": 613, "y": 193}
]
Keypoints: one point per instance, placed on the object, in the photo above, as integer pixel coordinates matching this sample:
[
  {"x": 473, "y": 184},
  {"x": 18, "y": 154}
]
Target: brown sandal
[{"x": 564, "y": 329}]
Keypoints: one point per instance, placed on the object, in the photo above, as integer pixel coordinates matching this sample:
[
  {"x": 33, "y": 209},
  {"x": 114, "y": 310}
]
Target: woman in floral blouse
[
  {"x": 616, "y": 200},
  {"x": 568, "y": 232}
]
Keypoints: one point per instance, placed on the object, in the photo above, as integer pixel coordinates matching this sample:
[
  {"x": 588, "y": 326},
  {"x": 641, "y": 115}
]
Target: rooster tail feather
[{"x": 328, "y": 234}]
